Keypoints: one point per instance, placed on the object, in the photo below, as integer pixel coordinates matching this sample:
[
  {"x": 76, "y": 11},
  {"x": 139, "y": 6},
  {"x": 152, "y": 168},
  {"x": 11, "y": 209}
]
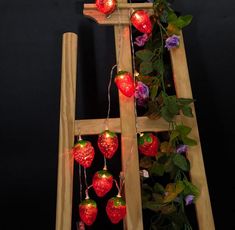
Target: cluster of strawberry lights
[{"x": 102, "y": 181}]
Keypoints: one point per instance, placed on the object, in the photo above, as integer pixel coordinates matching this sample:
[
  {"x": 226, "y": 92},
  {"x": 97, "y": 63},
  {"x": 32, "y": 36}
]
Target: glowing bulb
[{"x": 141, "y": 21}]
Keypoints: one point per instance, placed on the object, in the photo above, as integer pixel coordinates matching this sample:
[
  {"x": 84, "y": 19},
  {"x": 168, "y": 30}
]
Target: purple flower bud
[
  {"x": 172, "y": 42},
  {"x": 182, "y": 149},
  {"x": 141, "y": 93},
  {"x": 141, "y": 40},
  {"x": 189, "y": 199}
]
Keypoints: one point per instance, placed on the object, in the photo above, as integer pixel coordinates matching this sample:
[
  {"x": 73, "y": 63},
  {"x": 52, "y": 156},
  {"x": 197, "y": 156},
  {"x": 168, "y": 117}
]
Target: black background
[{"x": 30, "y": 63}]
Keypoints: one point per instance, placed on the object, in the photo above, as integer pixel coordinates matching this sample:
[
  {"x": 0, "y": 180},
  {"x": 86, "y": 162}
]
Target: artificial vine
[{"x": 166, "y": 188}]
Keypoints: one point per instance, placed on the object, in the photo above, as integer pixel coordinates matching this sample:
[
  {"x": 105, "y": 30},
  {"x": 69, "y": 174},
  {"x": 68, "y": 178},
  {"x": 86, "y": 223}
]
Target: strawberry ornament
[
  {"x": 102, "y": 182},
  {"x": 106, "y": 6},
  {"x": 148, "y": 144},
  {"x": 125, "y": 83},
  {"x": 88, "y": 211},
  {"x": 116, "y": 209},
  {"x": 108, "y": 143},
  {"x": 83, "y": 153}
]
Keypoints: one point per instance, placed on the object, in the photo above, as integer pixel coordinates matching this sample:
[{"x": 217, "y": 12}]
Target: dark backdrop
[{"x": 30, "y": 64}]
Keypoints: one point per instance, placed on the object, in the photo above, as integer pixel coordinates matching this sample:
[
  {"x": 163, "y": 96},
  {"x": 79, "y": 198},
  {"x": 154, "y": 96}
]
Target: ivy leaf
[
  {"x": 171, "y": 17},
  {"x": 166, "y": 114},
  {"x": 152, "y": 205},
  {"x": 179, "y": 186},
  {"x": 145, "y": 55},
  {"x": 188, "y": 141},
  {"x": 158, "y": 188},
  {"x": 185, "y": 101},
  {"x": 181, "y": 162},
  {"x": 187, "y": 111},
  {"x": 190, "y": 189},
  {"x": 153, "y": 91},
  {"x": 183, "y": 130},
  {"x": 158, "y": 65},
  {"x": 174, "y": 135},
  {"x": 172, "y": 105},
  {"x": 183, "y": 21},
  {"x": 169, "y": 166},
  {"x": 146, "y": 67},
  {"x": 157, "y": 169}
]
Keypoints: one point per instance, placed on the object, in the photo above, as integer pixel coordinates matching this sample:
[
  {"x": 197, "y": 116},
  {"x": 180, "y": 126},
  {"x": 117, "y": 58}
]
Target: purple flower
[
  {"x": 182, "y": 149},
  {"x": 172, "y": 42},
  {"x": 141, "y": 93},
  {"x": 141, "y": 40},
  {"x": 189, "y": 199}
]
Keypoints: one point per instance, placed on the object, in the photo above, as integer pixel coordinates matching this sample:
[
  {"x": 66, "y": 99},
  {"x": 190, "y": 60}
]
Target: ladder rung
[{"x": 96, "y": 126}]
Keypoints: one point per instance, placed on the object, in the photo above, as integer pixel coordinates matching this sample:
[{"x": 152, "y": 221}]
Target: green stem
[{"x": 162, "y": 74}]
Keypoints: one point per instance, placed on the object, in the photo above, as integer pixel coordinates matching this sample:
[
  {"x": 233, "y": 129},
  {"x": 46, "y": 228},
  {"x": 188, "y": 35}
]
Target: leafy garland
[{"x": 166, "y": 189}]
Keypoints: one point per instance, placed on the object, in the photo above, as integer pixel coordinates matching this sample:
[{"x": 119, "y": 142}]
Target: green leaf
[
  {"x": 188, "y": 141},
  {"x": 187, "y": 111},
  {"x": 145, "y": 55},
  {"x": 179, "y": 186},
  {"x": 146, "y": 67},
  {"x": 157, "y": 169},
  {"x": 181, "y": 162},
  {"x": 166, "y": 114},
  {"x": 158, "y": 188},
  {"x": 185, "y": 101},
  {"x": 174, "y": 135},
  {"x": 183, "y": 130},
  {"x": 158, "y": 65},
  {"x": 153, "y": 205},
  {"x": 171, "y": 17},
  {"x": 190, "y": 189},
  {"x": 153, "y": 91},
  {"x": 183, "y": 21},
  {"x": 172, "y": 105},
  {"x": 169, "y": 166}
]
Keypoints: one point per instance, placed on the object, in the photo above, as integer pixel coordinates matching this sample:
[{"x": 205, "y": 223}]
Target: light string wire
[
  {"x": 106, "y": 122},
  {"x": 117, "y": 65}
]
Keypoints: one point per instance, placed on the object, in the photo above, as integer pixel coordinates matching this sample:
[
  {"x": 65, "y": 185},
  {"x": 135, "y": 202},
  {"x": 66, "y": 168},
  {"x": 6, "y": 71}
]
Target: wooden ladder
[{"x": 126, "y": 125}]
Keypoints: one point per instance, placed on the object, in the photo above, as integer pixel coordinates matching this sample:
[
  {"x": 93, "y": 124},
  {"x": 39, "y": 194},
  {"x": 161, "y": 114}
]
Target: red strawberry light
[
  {"x": 83, "y": 152},
  {"x": 116, "y": 209},
  {"x": 125, "y": 83},
  {"x": 106, "y": 6},
  {"x": 102, "y": 182},
  {"x": 148, "y": 144},
  {"x": 141, "y": 21},
  {"x": 108, "y": 143},
  {"x": 88, "y": 211}
]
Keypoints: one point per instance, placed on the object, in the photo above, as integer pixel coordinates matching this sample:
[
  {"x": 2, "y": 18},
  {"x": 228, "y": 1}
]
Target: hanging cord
[
  {"x": 87, "y": 187},
  {"x": 105, "y": 164},
  {"x": 121, "y": 183}
]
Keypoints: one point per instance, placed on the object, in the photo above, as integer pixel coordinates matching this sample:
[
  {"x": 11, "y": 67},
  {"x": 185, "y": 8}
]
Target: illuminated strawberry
[
  {"x": 116, "y": 209},
  {"x": 125, "y": 83},
  {"x": 102, "y": 182},
  {"x": 88, "y": 211},
  {"x": 108, "y": 143},
  {"x": 83, "y": 152},
  {"x": 106, "y": 6},
  {"x": 148, "y": 144}
]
